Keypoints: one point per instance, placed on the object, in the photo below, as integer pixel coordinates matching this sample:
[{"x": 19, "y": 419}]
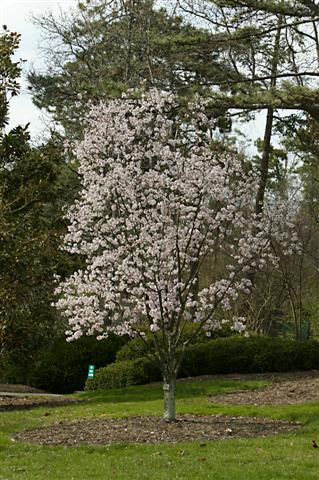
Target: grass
[{"x": 277, "y": 457}]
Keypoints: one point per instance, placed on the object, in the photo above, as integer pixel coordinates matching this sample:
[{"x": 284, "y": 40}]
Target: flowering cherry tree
[{"x": 157, "y": 200}]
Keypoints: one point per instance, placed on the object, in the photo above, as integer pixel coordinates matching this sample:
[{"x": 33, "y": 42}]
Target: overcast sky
[{"x": 16, "y": 14}]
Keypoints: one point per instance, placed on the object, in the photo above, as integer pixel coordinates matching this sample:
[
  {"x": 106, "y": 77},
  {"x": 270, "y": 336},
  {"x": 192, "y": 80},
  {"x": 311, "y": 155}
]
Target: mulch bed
[
  {"x": 286, "y": 388},
  {"x": 9, "y": 403},
  {"x": 151, "y": 429}
]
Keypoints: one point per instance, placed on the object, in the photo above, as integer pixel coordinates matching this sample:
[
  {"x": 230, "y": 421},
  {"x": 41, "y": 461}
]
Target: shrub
[
  {"x": 63, "y": 367},
  {"x": 240, "y": 355},
  {"x": 307, "y": 355},
  {"x": 222, "y": 355},
  {"x": 136, "y": 348},
  {"x": 124, "y": 373}
]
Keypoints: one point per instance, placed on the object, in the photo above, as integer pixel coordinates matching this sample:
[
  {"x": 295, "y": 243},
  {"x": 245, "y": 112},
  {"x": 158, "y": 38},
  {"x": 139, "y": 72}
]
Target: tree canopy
[{"x": 156, "y": 202}]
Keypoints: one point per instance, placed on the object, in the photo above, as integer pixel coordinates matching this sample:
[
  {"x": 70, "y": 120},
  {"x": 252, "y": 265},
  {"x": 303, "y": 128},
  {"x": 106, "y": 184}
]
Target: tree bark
[
  {"x": 169, "y": 399},
  {"x": 264, "y": 164}
]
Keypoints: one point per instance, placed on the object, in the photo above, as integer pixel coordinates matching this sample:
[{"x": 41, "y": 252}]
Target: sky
[{"x": 16, "y": 14}]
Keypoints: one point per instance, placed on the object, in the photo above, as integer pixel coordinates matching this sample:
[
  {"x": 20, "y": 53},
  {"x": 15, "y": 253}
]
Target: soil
[
  {"x": 27, "y": 402},
  {"x": 285, "y": 388},
  {"x": 151, "y": 429}
]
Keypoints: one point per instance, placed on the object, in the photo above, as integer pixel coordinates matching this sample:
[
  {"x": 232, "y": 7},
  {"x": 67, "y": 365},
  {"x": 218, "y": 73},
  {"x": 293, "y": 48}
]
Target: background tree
[
  {"x": 273, "y": 47},
  {"x": 105, "y": 47},
  {"x": 32, "y": 193},
  {"x": 9, "y": 72},
  {"x": 301, "y": 140}
]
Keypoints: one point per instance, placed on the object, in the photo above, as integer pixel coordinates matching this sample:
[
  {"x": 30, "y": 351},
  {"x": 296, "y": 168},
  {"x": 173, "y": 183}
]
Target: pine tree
[
  {"x": 107, "y": 47},
  {"x": 274, "y": 47}
]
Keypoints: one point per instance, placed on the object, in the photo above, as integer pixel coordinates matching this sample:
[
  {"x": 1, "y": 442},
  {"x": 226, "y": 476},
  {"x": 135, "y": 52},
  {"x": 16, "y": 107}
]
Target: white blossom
[{"x": 156, "y": 202}]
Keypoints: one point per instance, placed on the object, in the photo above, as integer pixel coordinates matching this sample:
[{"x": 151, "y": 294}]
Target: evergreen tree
[
  {"x": 106, "y": 47},
  {"x": 33, "y": 190},
  {"x": 9, "y": 72},
  {"x": 274, "y": 47}
]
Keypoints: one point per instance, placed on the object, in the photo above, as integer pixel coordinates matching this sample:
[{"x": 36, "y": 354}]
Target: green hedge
[
  {"x": 136, "y": 348},
  {"x": 124, "y": 373},
  {"x": 222, "y": 355},
  {"x": 63, "y": 367}
]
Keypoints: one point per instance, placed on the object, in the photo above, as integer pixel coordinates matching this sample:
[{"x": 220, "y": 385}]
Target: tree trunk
[
  {"x": 264, "y": 164},
  {"x": 264, "y": 167},
  {"x": 169, "y": 400}
]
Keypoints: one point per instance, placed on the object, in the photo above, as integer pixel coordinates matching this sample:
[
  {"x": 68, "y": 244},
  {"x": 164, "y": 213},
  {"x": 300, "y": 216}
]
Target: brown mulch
[
  {"x": 151, "y": 429},
  {"x": 286, "y": 388},
  {"x": 9, "y": 403}
]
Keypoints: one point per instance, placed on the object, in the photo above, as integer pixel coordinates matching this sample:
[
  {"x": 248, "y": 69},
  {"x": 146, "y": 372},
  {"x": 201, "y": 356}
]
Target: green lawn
[{"x": 278, "y": 457}]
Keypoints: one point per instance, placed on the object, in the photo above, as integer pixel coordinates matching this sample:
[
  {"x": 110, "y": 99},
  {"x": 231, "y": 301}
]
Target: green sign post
[{"x": 91, "y": 372}]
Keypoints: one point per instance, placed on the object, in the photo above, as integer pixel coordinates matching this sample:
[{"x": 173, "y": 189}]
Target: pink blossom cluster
[{"x": 157, "y": 201}]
